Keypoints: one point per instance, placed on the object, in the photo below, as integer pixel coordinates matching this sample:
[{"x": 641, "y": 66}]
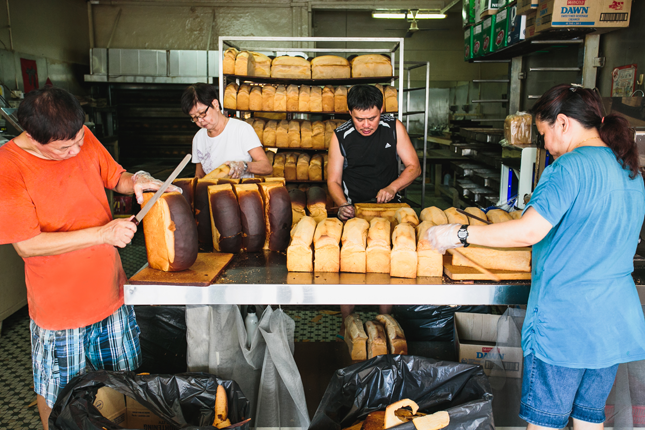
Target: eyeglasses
[{"x": 201, "y": 115}]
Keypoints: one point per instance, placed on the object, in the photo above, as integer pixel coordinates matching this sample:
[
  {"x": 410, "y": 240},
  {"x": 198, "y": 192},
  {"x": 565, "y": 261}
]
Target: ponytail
[{"x": 615, "y": 131}]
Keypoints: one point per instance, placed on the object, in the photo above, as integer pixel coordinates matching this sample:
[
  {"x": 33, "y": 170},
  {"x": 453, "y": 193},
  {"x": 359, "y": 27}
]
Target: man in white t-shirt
[{"x": 222, "y": 140}]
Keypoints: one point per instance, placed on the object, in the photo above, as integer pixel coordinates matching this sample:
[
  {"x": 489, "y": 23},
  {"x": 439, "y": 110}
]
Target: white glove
[
  {"x": 143, "y": 181},
  {"x": 444, "y": 237},
  {"x": 238, "y": 168}
]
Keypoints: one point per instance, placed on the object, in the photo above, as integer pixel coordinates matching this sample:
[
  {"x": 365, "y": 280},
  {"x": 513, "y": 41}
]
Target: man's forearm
[
  {"x": 336, "y": 193},
  {"x": 46, "y": 244},
  {"x": 125, "y": 185},
  {"x": 408, "y": 176}
]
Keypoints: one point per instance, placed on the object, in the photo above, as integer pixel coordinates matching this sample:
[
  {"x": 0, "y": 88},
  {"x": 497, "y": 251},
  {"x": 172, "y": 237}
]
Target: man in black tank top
[{"x": 363, "y": 165}]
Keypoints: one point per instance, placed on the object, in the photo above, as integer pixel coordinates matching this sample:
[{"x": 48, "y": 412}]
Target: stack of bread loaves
[{"x": 379, "y": 337}]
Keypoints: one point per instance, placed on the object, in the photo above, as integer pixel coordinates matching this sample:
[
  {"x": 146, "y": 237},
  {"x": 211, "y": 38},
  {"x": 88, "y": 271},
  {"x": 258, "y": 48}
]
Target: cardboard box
[
  {"x": 126, "y": 412},
  {"x": 530, "y": 24},
  {"x": 489, "y": 7},
  {"x": 476, "y": 340},
  {"x": 499, "y": 30},
  {"x": 524, "y": 7},
  {"x": 583, "y": 13},
  {"x": 478, "y": 40},
  {"x": 468, "y": 12},
  {"x": 516, "y": 26},
  {"x": 488, "y": 26},
  {"x": 468, "y": 43}
]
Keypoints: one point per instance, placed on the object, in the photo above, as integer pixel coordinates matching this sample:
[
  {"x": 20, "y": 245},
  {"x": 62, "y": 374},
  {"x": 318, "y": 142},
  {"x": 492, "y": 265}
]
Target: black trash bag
[
  {"x": 162, "y": 338},
  {"x": 186, "y": 401},
  {"x": 355, "y": 391},
  {"x": 431, "y": 323}
]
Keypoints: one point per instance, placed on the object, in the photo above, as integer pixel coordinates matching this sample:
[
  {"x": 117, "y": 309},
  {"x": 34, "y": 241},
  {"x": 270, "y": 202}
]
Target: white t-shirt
[{"x": 233, "y": 144}]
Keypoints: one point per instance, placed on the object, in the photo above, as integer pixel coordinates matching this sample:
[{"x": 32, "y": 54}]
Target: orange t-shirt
[{"x": 76, "y": 288}]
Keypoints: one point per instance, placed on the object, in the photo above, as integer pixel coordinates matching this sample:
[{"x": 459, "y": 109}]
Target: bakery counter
[{"x": 262, "y": 278}]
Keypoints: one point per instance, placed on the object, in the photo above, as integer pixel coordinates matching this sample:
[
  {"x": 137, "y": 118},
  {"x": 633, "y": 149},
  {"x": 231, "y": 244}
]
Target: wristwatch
[
  {"x": 462, "y": 234},
  {"x": 246, "y": 166}
]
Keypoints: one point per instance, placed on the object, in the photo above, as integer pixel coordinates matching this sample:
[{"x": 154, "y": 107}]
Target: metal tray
[
  {"x": 465, "y": 169},
  {"x": 486, "y": 135},
  {"x": 486, "y": 178}
]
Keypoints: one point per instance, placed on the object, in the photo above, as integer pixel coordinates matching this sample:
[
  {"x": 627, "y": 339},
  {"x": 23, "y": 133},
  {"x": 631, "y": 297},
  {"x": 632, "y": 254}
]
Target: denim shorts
[{"x": 552, "y": 394}]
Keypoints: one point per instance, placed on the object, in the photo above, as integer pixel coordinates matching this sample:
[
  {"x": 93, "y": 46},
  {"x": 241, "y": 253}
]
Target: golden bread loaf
[{"x": 354, "y": 241}]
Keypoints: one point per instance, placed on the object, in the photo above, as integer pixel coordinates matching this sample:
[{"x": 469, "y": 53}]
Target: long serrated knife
[
  {"x": 142, "y": 213},
  {"x": 463, "y": 212}
]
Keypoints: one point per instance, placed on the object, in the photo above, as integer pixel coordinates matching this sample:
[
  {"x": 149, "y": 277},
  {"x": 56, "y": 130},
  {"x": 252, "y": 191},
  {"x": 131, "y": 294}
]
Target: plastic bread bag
[{"x": 517, "y": 128}]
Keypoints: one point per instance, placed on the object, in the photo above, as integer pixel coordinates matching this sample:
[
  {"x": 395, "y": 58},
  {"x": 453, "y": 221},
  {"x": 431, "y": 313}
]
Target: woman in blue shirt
[{"x": 583, "y": 316}]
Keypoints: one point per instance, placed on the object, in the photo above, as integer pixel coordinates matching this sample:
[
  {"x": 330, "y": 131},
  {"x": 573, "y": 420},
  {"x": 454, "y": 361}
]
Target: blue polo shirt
[{"x": 583, "y": 309}]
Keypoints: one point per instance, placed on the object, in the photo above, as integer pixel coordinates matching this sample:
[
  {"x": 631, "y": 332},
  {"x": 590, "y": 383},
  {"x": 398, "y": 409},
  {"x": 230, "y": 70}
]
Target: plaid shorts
[{"x": 60, "y": 355}]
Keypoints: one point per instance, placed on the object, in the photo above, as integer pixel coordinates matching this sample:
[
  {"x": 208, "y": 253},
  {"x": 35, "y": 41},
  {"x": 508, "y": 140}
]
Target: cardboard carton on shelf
[
  {"x": 468, "y": 12},
  {"x": 516, "y": 26},
  {"x": 585, "y": 13},
  {"x": 488, "y": 26},
  {"x": 530, "y": 25},
  {"x": 468, "y": 43},
  {"x": 500, "y": 29},
  {"x": 525, "y": 7},
  {"x": 478, "y": 40},
  {"x": 488, "y": 8}
]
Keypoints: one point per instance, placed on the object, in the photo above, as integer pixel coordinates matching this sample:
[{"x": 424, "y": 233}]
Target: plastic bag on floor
[
  {"x": 186, "y": 400},
  {"x": 509, "y": 335},
  {"x": 216, "y": 338},
  {"x": 355, "y": 391},
  {"x": 281, "y": 400},
  {"x": 431, "y": 323}
]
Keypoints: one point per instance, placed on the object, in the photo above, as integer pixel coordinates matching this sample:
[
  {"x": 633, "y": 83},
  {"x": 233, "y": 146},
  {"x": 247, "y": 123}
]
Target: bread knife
[
  {"x": 463, "y": 212},
  {"x": 142, "y": 213}
]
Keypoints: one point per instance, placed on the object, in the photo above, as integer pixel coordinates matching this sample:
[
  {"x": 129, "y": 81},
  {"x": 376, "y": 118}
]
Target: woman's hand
[
  {"x": 238, "y": 169},
  {"x": 143, "y": 181},
  {"x": 443, "y": 237}
]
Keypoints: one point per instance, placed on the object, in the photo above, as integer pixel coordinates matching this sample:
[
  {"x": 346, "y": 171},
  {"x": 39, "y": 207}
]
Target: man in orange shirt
[{"x": 56, "y": 214}]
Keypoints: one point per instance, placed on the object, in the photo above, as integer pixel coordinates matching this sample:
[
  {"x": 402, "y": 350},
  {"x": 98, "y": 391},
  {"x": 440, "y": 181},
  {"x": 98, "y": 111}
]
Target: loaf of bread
[
  {"x": 435, "y": 215},
  {"x": 305, "y": 135},
  {"x": 378, "y": 251},
  {"x": 226, "y": 225},
  {"x": 278, "y": 165},
  {"x": 303, "y": 98},
  {"x": 294, "y": 134},
  {"x": 406, "y": 215},
  {"x": 280, "y": 100},
  {"x": 262, "y": 65},
  {"x": 517, "y": 128},
  {"x": 376, "y": 339},
  {"x": 380, "y": 88},
  {"x": 298, "y": 205},
  {"x": 299, "y": 252},
  {"x": 277, "y": 215},
  {"x": 268, "y": 134},
  {"x": 455, "y": 217},
  {"x": 317, "y": 203},
  {"x": 290, "y": 166},
  {"x": 326, "y": 245},
  {"x": 170, "y": 233},
  {"x": 354, "y": 241},
  {"x": 371, "y": 65},
  {"x": 293, "y": 97},
  {"x": 315, "y": 168},
  {"x": 221, "y": 181},
  {"x": 330, "y": 67},
  {"x": 396, "y": 342},
  {"x": 251, "y": 216},
  {"x": 367, "y": 211},
  {"x": 330, "y": 126},
  {"x": 245, "y": 64},
  {"x": 391, "y": 100},
  {"x": 403, "y": 262},
  {"x": 228, "y": 63},
  {"x": 255, "y": 99},
  {"x": 328, "y": 99},
  {"x": 270, "y": 154},
  {"x": 258, "y": 126},
  {"x": 243, "y": 97},
  {"x": 512, "y": 259},
  {"x": 340, "y": 100},
  {"x": 498, "y": 215},
  {"x": 251, "y": 180},
  {"x": 374, "y": 421},
  {"x": 282, "y": 134},
  {"x": 203, "y": 214},
  {"x": 187, "y": 186},
  {"x": 290, "y": 68},
  {"x": 318, "y": 135},
  {"x": 516, "y": 214},
  {"x": 278, "y": 179},
  {"x": 221, "y": 171},
  {"x": 302, "y": 167},
  {"x": 478, "y": 213},
  {"x": 430, "y": 262},
  {"x": 268, "y": 98},
  {"x": 315, "y": 99},
  {"x": 325, "y": 160},
  {"x": 230, "y": 96},
  {"x": 355, "y": 337}
]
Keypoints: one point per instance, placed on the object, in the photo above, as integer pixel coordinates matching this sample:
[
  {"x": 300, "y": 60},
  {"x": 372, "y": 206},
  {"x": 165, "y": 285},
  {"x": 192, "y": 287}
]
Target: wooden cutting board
[
  {"x": 464, "y": 273},
  {"x": 202, "y": 273}
]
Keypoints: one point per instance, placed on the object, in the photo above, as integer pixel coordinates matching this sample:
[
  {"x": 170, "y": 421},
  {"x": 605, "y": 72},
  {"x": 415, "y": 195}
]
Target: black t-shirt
[{"x": 371, "y": 162}]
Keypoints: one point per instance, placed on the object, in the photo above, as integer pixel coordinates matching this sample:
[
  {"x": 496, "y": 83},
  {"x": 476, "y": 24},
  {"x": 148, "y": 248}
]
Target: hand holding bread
[{"x": 443, "y": 237}]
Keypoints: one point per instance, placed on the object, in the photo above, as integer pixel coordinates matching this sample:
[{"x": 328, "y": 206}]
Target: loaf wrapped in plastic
[{"x": 517, "y": 128}]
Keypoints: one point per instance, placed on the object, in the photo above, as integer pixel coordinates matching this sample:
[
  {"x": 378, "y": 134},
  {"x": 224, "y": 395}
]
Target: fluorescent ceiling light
[
  {"x": 388, "y": 15},
  {"x": 430, "y": 16},
  {"x": 402, "y": 15}
]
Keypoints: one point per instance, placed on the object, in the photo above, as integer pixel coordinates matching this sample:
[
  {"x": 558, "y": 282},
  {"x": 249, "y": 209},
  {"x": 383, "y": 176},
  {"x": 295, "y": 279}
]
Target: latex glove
[
  {"x": 143, "y": 181},
  {"x": 346, "y": 212},
  {"x": 385, "y": 195},
  {"x": 444, "y": 237},
  {"x": 238, "y": 169}
]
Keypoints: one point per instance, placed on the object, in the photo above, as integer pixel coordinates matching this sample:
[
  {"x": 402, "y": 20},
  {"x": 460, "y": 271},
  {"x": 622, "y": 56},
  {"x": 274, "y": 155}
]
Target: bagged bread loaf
[
  {"x": 318, "y": 135},
  {"x": 303, "y": 98},
  {"x": 243, "y": 97},
  {"x": 282, "y": 134},
  {"x": 330, "y": 126},
  {"x": 354, "y": 241},
  {"x": 376, "y": 339},
  {"x": 228, "y": 63},
  {"x": 226, "y": 225},
  {"x": 302, "y": 167},
  {"x": 278, "y": 165},
  {"x": 314, "y": 172},
  {"x": 280, "y": 100},
  {"x": 478, "y": 213},
  {"x": 268, "y": 98},
  {"x": 251, "y": 216},
  {"x": 299, "y": 252},
  {"x": 170, "y": 233},
  {"x": 277, "y": 215},
  {"x": 203, "y": 214},
  {"x": 187, "y": 186},
  {"x": 317, "y": 203},
  {"x": 290, "y": 68},
  {"x": 258, "y": 126},
  {"x": 355, "y": 337},
  {"x": 298, "y": 205},
  {"x": 255, "y": 99},
  {"x": 403, "y": 261},
  {"x": 262, "y": 65},
  {"x": 340, "y": 100},
  {"x": 290, "y": 166},
  {"x": 378, "y": 251},
  {"x": 221, "y": 171},
  {"x": 391, "y": 100},
  {"x": 455, "y": 217},
  {"x": 315, "y": 99},
  {"x": 517, "y": 128},
  {"x": 396, "y": 338},
  {"x": 498, "y": 215},
  {"x": 245, "y": 64},
  {"x": 330, "y": 67},
  {"x": 371, "y": 65},
  {"x": 430, "y": 262},
  {"x": 305, "y": 135},
  {"x": 293, "y": 97},
  {"x": 434, "y": 214},
  {"x": 294, "y": 134},
  {"x": 326, "y": 245},
  {"x": 230, "y": 96},
  {"x": 406, "y": 215},
  {"x": 268, "y": 134},
  {"x": 328, "y": 99}
]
